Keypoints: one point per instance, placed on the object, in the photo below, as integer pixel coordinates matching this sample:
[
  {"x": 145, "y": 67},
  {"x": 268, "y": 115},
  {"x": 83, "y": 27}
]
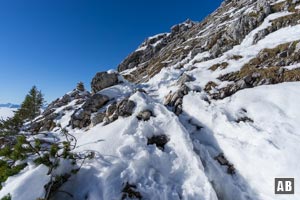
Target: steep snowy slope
[{"x": 207, "y": 111}]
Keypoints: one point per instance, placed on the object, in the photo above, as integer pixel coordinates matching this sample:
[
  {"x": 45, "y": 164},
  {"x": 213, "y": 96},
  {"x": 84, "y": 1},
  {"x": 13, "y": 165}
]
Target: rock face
[
  {"x": 175, "y": 99},
  {"x": 163, "y": 50},
  {"x": 125, "y": 108},
  {"x": 103, "y": 80},
  {"x": 98, "y": 118},
  {"x": 82, "y": 117},
  {"x": 95, "y": 102}
]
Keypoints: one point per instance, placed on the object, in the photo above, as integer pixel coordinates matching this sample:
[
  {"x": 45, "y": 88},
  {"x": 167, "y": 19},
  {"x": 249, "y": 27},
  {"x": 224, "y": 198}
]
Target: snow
[
  {"x": 29, "y": 184},
  {"x": 142, "y": 48},
  {"x": 123, "y": 156},
  {"x": 6, "y": 112},
  {"x": 297, "y": 7},
  {"x": 278, "y": 1},
  {"x": 290, "y": 67},
  {"x": 263, "y": 150}
]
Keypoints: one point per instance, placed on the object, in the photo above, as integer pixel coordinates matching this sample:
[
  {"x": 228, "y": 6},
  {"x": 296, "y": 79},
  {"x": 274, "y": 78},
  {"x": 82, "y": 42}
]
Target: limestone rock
[{"x": 103, "y": 80}]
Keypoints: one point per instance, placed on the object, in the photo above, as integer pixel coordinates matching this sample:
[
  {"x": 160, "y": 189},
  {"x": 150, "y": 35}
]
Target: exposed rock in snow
[{"x": 103, "y": 80}]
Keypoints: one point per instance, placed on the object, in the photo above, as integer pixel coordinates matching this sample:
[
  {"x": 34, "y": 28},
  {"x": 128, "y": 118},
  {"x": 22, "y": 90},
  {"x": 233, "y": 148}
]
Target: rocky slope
[{"x": 207, "y": 111}]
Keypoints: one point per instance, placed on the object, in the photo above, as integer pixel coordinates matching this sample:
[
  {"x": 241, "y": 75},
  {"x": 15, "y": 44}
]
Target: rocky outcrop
[
  {"x": 97, "y": 118},
  {"x": 103, "y": 80},
  {"x": 175, "y": 99},
  {"x": 267, "y": 68},
  {"x": 94, "y": 103},
  {"x": 113, "y": 111},
  {"x": 82, "y": 117},
  {"x": 125, "y": 108}
]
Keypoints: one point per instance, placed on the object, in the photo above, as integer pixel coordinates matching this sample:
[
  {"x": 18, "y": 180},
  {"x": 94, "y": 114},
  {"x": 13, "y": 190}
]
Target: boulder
[
  {"x": 81, "y": 118},
  {"x": 103, "y": 80},
  {"x": 98, "y": 118},
  {"x": 144, "y": 115},
  {"x": 184, "y": 78},
  {"x": 111, "y": 109},
  {"x": 125, "y": 108},
  {"x": 95, "y": 102}
]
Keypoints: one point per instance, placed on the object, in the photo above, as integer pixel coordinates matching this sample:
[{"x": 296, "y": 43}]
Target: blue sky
[{"x": 54, "y": 44}]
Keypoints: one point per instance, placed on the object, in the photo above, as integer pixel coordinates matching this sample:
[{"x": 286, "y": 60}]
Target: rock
[
  {"x": 223, "y": 161},
  {"x": 98, "y": 118},
  {"x": 281, "y": 71},
  {"x": 297, "y": 48},
  {"x": 66, "y": 99},
  {"x": 81, "y": 118},
  {"x": 178, "y": 110},
  {"x": 36, "y": 126},
  {"x": 144, "y": 115},
  {"x": 48, "y": 111},
  {"x": 178, "y": 102},
  {"x": 140, "y": 90},
  {"x": 103, "y": 80},
  {"x": 184, "y": 89},
  {"x": 168, "y": 98},
  {"x": 111, "y": 109},
  {"x": 48, "y": 125},
  {"x": 95, "y": 102},
  {"x": 231, "y": 169},
  {"x": 159, "y": 140},
  {"x": 283, "y": 54},
  {"x": 130, "y": 192},
  {"x": 125, "y": 108},
  {"x": 184, "y": 78}
]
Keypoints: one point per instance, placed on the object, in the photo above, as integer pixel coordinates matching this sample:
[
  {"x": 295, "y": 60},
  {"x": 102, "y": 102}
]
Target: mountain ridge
[{"x": 207, "y": 111}]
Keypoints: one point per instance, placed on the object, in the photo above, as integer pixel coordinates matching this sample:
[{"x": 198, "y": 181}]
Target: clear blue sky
[{"x": 54, "y": 44}]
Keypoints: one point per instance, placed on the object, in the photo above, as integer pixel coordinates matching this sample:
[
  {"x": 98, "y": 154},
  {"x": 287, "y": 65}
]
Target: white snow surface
[
  {"x": 28, "y": 184},
  {"x": 263, "y": 150},
  {"x": 6, "y": 112},
  {"x": 124, "y": 156}
]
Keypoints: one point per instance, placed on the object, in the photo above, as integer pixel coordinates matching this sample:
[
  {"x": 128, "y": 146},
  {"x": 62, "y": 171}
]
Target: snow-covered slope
[
  {"x": 210, "y": 112},
  {"x": 6, "y": 112}
]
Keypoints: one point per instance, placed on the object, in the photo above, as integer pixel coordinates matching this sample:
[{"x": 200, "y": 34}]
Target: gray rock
[
  {"x": 98, "y": 118},
  {"x": 103, "y": 80},
  {"x": 297, "y": 49},
  {"x": 178, "y": 110},
  {"x": 184, "y": 78},
  {"x": 168, "y": 98},
  {"x": 144, "y": 115},
  {"x": 81, "y": 118},
  {"x": 283, "y": 54},
  {"x": 95, "y": 102},
  {"x": 111, "y": 109},
  {"x": 125, "y": 108}
]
